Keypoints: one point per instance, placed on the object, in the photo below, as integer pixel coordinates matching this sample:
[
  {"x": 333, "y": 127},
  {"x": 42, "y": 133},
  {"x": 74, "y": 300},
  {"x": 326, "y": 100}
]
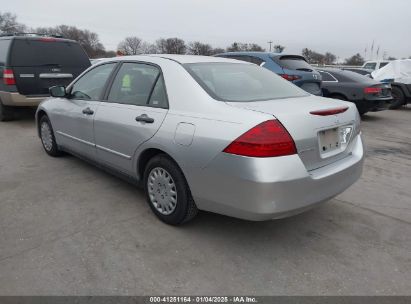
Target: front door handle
[
  {"x": 88, "y": 111},
  {"x": 144, "y": 118}
]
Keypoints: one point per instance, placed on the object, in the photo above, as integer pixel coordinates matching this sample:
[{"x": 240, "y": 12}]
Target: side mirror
[{"x": 58, "y": 91}]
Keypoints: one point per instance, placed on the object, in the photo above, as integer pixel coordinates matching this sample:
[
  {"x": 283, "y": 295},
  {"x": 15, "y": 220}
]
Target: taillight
[
  {"x": 329, "y": 111},
  {"x": 372, "y": 90},
  {"x": 268, "y": 139},
  {"x": 8, "y": 77},
  {"x": 290, "y": 77}
]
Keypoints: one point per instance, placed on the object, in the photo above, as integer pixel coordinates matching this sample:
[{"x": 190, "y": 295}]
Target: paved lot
[{"x": 67, "y": 228}]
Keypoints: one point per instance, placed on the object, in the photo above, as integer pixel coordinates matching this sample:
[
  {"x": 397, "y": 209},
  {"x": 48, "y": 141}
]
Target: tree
[
  {"x": 87, "y": 39},
  {"x": 329, "y": 58},
  {"x": 278, "y": 48},
  {"x": 391, "y": 58},
  {"x": 171, "y": 46},
  {"x": 199, "y": 48},
  {"x": 313, "y": 57},
  {"x": 217, "y": 51},
  {"x": 9, "y": 24},
  {"x": 131, "y": 46},
  {"x": 355, "y": 60},
  {"x": 244, "y": 47}
]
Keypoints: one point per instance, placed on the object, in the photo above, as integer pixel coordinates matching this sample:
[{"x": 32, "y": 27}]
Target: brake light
[
  {"x": 372, "y": 90},
  {"x": 290, "y": 77},
  {"x": 329, "y": 111},
  {"x": 8, "y": 77},
  {"x": 268, "y": 139}
]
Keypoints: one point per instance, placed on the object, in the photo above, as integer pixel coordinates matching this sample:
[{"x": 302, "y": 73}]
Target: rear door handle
[
  {"x": 144, "y": 118},
  {"x": 88, "y": 111}
]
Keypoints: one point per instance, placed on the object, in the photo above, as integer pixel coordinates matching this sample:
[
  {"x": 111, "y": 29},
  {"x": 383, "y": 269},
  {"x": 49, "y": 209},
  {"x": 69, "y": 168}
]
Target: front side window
[
  {"x": 383, "y": 64},
  {"x": 241, "y": 82},
  {"x": 138, "y": 84},
  {"x": 92, "y": 84}
]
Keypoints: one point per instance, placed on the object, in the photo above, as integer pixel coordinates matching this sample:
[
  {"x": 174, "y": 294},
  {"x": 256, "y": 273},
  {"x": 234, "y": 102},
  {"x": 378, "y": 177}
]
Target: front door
[{"x": 73, "y": 120}]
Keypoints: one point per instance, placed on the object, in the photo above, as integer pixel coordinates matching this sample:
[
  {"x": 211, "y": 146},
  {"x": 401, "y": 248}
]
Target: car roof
[
  {"x": 182, "y": 59},
  {"x": 21, "y": 37},
  {"x": 260, "y": 53}
]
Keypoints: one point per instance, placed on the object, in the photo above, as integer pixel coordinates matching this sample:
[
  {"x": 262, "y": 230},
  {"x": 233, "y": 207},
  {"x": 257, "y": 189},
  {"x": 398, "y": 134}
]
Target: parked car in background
[
  {"x": 249, "y": 145},
  {"x": 291, "y": 67},
  {"x": 30, "y": 64},
  {"x": 374, "y": 65},
  {"x": 366, "y": 93},
  {"x": 358, "y": 71},
  {"x": 398, "y": 74}
]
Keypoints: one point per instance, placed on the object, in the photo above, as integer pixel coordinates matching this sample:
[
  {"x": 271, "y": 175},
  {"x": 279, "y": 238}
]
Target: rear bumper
[
  {"x": 269, "y": 188},
  {"x": 373, "y": 105},
  {"x": 18, "y": 100}
]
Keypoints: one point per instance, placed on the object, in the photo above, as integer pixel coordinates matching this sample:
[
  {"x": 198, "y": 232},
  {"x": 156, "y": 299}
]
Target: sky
[{"x": 343, "y": 27}]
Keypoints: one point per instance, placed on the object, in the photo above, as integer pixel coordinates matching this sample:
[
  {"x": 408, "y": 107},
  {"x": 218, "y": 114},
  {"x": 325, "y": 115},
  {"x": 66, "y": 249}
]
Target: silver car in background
[{"x": 206, "y": 133}]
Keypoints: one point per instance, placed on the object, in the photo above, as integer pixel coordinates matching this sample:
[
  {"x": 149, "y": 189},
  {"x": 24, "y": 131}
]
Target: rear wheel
[
  {"x": 6, "y": 113},
  {"x": 398, "y": 98},
  {"x": 47, "y": 137},
  {"x": 167, "y": 191}
]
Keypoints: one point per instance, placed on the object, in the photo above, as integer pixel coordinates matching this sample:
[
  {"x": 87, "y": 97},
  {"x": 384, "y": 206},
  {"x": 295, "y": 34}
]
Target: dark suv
[
  {"x": 294, "y": 68},
  {"x": 30, "y": 64}
]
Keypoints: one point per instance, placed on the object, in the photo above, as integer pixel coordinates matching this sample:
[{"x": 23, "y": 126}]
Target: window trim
[
  {"x": 110, "y": 85},
  {"x": 71, "y": 85}
]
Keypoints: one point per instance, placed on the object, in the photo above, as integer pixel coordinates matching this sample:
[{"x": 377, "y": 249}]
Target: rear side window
[
  {"x": 327, "y": 76},
  {"x": 293, "y": 63},
  {"x": 43, "y": 52},
  {"x": 4, "y": 50},
  {"x": 237, "y": 82},
  {"x": 91, "y": 85},
  {"x": 138, "y": 84}
]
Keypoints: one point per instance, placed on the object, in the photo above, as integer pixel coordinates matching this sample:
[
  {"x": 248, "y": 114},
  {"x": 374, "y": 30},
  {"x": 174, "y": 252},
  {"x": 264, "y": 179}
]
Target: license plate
[
  {"x": 329, "y": 140},
  {"x": 334, "y": 140}
]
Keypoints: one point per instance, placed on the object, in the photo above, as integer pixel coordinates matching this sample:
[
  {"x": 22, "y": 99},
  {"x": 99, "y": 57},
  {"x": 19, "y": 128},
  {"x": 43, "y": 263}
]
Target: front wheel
[
  {"x": 47, "y": 137},
  {"x": 167, "y": 191}
]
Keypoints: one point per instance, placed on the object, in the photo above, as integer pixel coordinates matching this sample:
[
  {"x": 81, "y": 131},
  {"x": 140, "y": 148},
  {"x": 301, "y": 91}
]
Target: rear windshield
[
  {"x": 238, "y": 82},
  {"x": 348, "y": 76},
  {"x": 28, "y": 52},
  {"x": 293, "y": 63}
]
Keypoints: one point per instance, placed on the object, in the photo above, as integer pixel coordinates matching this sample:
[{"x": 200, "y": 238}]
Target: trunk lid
[{"x": 307, "y": 129}]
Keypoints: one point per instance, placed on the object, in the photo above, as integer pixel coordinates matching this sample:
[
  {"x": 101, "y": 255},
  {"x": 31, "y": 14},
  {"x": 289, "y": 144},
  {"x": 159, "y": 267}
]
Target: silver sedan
[{"x": 206, "y": 133}]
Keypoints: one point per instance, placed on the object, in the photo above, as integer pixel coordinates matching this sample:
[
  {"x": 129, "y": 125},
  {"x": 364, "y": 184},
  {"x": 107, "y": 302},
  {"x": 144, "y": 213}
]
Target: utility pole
[{"x": 270, "y": 43}]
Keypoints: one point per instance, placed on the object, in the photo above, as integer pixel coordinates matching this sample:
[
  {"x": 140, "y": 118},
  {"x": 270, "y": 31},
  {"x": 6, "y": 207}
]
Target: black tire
[
  {"x": 185, "y": 208},
  {"x": 52, "y": 149},
  {"x": 398, "y": 98},
  {"x": 6, "y": 113}
]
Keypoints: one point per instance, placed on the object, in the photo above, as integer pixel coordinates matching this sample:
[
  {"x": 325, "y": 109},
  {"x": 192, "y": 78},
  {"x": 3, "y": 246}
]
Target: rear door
[
  {"x": 41, "y": 63},
  {"x": 294, "y": 65},
  {"x": 133, "y": 112},
  {"x": 73, "y": 118}
]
